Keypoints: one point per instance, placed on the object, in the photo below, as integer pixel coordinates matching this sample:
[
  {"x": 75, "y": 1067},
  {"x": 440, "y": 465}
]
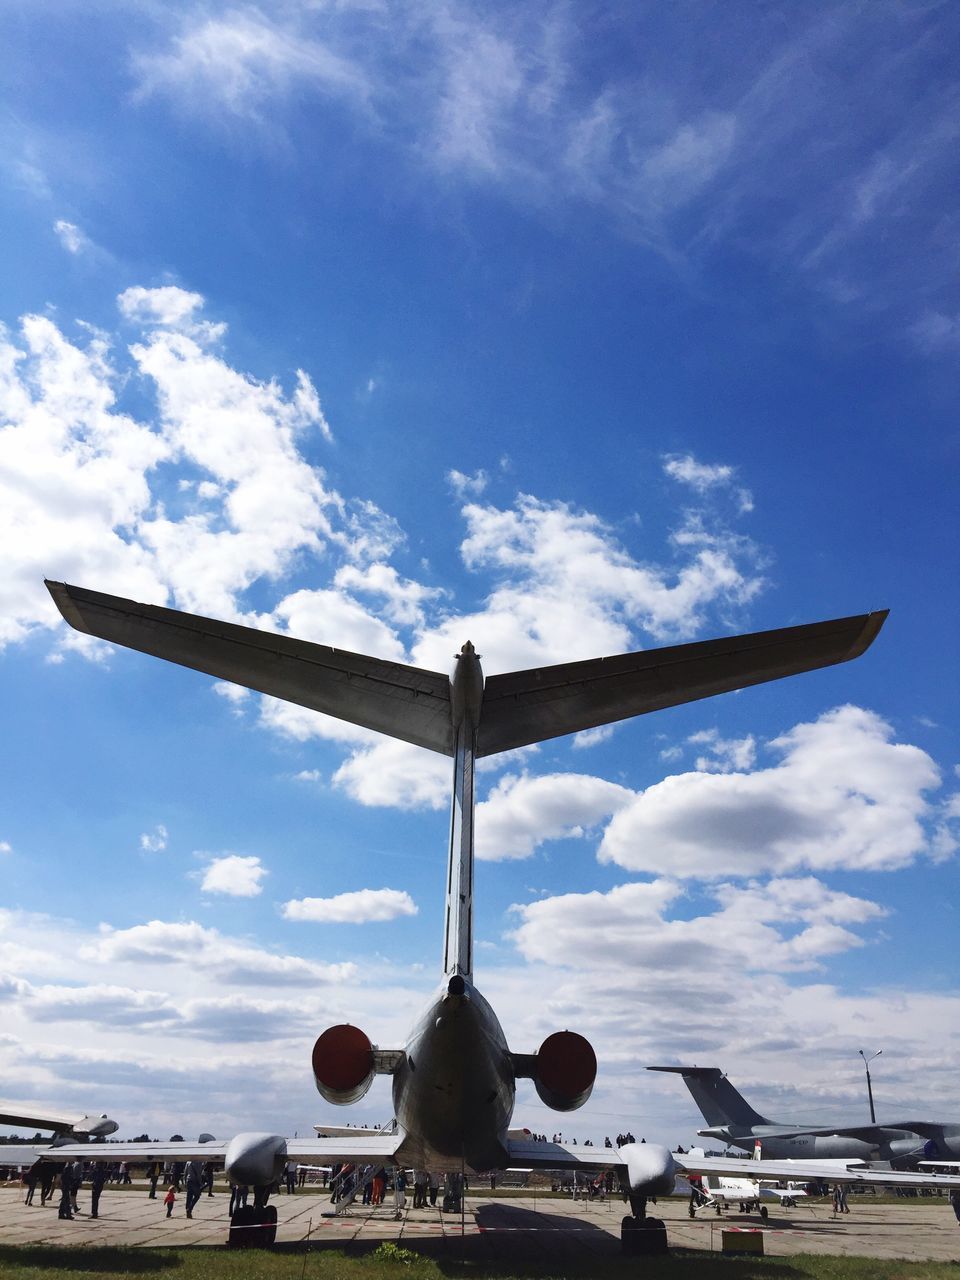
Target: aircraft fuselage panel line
[
  {"x": 522, "y": 707},
  {"x": 405, "y": 702}
]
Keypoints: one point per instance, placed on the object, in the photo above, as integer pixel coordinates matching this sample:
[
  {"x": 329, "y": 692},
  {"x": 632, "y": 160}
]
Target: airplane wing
[
  {"x": 350, "y": 1145},
  {"x": 24, "y": 1113},
  {"x": 810, "y": 1171},
  {"x": 133, "y": 1152},
  {"x": 16, "y": 1154},
  {"x": 529, "y": 706},
  {"x": 404, "y": 702},
  {"x": 529, "y": 1154}
]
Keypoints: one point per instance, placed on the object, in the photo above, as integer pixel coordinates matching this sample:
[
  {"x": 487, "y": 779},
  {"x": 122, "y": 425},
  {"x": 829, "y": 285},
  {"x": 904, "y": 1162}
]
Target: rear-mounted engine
[
  {"x": 565, "y": 1069},
  {"x": 343, "y": 1064}
]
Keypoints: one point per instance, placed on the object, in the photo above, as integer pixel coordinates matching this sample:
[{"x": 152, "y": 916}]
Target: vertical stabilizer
[
  {"x": 466, "y": 693},
  {"x": 719, "y": 1102}
]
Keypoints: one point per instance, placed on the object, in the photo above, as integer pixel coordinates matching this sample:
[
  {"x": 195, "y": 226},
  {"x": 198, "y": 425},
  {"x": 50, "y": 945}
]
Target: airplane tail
[{"x": 719, "y": 1102}]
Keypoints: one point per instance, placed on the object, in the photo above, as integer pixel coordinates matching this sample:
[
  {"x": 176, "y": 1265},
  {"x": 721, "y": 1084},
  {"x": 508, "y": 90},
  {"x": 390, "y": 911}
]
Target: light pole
[{"x": 866, "y": 1067}]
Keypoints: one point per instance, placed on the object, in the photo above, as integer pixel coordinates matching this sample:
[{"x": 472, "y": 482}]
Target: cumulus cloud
[
  {"x": 843, "y": 795},
  {"x": 567, "y": 588},
  {"x": 6, "y": 846},
  {"x": 167, "y": 305},
  {"x": 235, "y": 875},
  {"x": 724, "y": 754},
  {"x": 520, "y": 813},
  {"x": 780, "y": 926},
  {"x": 188, "y": 943},
  {"x": 358, "y": 907},
  {"x": 154, "y": 841},
  {"x": 393, "y": 773}
]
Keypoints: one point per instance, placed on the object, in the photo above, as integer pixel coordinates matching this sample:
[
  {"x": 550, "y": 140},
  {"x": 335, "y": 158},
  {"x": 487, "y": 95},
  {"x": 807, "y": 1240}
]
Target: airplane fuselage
[
  {"x": 454, "y": 1091},
  {"x": 778, "y": 1142}
]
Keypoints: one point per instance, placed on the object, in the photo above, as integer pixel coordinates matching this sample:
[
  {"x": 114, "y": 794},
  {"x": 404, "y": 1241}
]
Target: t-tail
[
  {"x": 465, "y": 717},
  {"x": 719, "y": 1102}
]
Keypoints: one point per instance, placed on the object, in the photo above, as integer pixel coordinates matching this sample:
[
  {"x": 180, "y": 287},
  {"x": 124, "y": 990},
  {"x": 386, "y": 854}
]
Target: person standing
[
  {"x": 170, "y": 1199},
  {"x": 66, "y": 1203},
  {"x": 955, "y": 1201},
  {"x": 97, "y": 1180},
  {"x": 290, "y": 1177},
  {"x": 193, "y": 1180},
  {"x": 30, "y": 1182},
  {"x": 153, "y": 1174}
]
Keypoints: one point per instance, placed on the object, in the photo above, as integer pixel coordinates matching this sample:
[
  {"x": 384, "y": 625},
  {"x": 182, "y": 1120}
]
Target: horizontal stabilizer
[
  {"x": 529, "y": 706},
  {"x": 404, "y": 702}
]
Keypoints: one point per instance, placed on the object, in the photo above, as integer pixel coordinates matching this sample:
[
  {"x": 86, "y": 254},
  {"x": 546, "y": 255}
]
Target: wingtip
[
  {"x": 872, "y": 623},
  {"x": 62, "y": 598}
]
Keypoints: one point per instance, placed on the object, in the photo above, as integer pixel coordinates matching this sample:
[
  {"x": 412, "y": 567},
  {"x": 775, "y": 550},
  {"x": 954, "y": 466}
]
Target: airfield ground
[{"x": 515, "y": 1233}]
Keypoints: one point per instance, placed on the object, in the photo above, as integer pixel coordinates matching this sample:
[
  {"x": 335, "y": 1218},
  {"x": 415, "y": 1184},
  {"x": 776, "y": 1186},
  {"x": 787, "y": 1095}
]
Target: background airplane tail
[{"x": 719, "y": 1102}]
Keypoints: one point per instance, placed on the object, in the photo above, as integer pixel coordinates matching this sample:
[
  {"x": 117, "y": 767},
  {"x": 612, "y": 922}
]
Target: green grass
[{"x": 393, "y": 1262}]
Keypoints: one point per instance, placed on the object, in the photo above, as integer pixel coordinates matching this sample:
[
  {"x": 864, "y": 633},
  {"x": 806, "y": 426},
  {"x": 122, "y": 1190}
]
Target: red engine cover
[
  {"x": 566, "y": 1070},
  {"x": 343, "y": 1063}
]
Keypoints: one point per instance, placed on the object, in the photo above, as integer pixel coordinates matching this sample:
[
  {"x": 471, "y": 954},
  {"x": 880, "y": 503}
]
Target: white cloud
[
  {"x": 393, "y": 773},
  {"x": 465, "y": 485},
  {"x": 167, "y": 305},
  {"x": 704, "y": 477},
  {"x": 779, "y": 926},
  {"x": 568, "y": 589},
  {"x": 235, "y": 694},
  {"x": 520, "y": 813},
  {"x": 70, "y": 236},
  {"x": 154, "y": 841},
  {"x": 844, "y": 795},
  {"x": 235, "y": 875},
  {"x": 188, "y": 943},
  {"x": 593, "y": 737},
  {"x": 401, "y": 599},
  {"x": 6, "y": 846},
  {"x": 726, "y": 754},
  {"x": 359, "y": 907},
  {"x": 241, "y": 61}
]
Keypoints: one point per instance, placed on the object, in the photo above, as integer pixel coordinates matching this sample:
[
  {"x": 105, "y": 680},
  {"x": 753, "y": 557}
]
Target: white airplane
[
  {"x": 719, "y": 1191},
  {"x": 74, "y": 1125},
  {"x": 454, "y": 1082}
]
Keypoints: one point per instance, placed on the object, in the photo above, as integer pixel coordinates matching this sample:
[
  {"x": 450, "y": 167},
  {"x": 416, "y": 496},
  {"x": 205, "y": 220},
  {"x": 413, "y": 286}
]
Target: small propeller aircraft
[{"x": 454, "y": 1081}]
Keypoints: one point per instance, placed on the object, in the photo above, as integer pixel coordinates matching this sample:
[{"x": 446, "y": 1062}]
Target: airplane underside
[{"x": 454, "y": 1090}]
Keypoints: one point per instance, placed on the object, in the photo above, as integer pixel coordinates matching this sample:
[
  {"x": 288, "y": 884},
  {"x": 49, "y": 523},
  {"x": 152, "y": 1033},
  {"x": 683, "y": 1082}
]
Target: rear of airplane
[{"x": 719, "y": 1102}]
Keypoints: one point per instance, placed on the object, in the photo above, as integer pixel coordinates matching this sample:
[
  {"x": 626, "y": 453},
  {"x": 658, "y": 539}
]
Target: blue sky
[{"x": 568, "y": 332}]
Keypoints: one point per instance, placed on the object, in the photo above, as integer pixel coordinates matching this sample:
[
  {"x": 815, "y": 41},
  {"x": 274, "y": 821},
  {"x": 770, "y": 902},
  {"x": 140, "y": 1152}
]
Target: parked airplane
[
  {"x": 80, "y": 1126},
  {"x": 454, "y": 1082},
  {"x": 734, "y": 1121},
  {"x": 718, "y": 1191}
]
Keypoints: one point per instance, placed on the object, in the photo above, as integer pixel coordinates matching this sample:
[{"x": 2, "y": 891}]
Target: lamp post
[{"x": 866, "y": 1067}]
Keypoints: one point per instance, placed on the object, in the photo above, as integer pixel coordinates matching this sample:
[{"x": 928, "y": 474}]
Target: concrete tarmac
[{"x": 517, "y": 1227}]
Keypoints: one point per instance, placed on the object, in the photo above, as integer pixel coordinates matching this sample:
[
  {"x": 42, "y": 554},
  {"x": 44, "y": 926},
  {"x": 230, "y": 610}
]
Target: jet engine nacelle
[
  {"x": 651, "y": 1169},
  {"x": 564, "y": 1069},
  {"x": 343, "y": 1064},
  {"x": 255, "y": 1159}
]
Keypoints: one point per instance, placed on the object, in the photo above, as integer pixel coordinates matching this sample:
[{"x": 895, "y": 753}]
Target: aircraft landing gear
[
  {"x": 640, "y": 1234},
  {"x": 764, "y": 1211}
]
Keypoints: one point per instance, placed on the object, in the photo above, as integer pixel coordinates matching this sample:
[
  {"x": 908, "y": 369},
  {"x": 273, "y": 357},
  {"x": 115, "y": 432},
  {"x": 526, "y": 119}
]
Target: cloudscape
[{"x": 564, "y": 332}]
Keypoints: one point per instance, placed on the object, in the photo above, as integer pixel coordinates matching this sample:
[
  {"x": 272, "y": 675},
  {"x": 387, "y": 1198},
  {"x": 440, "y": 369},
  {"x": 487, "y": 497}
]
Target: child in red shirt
[{"x": 169, "y": 1200}]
